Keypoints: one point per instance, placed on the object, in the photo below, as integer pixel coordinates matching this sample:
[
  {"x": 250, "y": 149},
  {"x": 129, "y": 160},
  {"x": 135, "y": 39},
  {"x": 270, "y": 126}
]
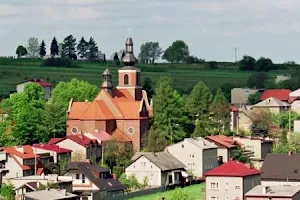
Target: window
[
  {"x": 83, "y": 178},
  {"x": 226, "y": 186},
  {"x": 214, "y": 198},
  {"x": 74, "y": 130},
  {"x": 126, "y": 79},
  {"x": 77, "y": 176},
  {"x": 182, "y": 146},
  {"x": 151, "y": 177},
  {"x": 138, "y": 78},
  {"x": 237, "y": 187},
  {"x": 214, "y": 185},
  {"x": 143, "y": 164},
  {"x": 130, "y": 130}
]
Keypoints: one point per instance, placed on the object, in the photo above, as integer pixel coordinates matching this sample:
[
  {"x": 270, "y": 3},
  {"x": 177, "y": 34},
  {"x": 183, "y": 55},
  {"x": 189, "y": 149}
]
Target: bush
[
  {"x": 180, "y": 194},
  {"x": 131, "y": 183},
  {"x": 58, "y": 62}
]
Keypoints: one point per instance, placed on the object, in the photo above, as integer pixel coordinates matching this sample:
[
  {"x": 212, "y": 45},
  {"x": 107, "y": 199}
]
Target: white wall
[
  {"x": 142, "y": 168},
  {"x": 78, "y": 183},
  {"x": 14, "y": 169},
  {"x": 76, "y": 148}
]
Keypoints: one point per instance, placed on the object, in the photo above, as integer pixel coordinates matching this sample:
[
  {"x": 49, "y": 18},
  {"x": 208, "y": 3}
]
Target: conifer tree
[
  {"x": 68, "y": 47},
  {"x": 82, "y": 48},
  {"x": 54, "y": 48},
  {"x": 92, "y": 53},
  {"x": 43, "y": 49},
  {"x": 147, "y": 86}
]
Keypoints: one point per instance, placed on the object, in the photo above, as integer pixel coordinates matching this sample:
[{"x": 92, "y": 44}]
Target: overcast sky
[{"x": 211, "y": 28}]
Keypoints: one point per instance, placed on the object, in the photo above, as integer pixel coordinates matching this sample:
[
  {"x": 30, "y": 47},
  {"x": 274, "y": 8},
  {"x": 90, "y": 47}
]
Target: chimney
[
  {"x": 266, "y": 189},
  {"x": 88, "y": 161},
  {"x": 290, "y": 153}
]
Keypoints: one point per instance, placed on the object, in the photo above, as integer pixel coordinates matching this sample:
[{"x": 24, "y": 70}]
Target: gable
[
  {"x": 70, "y": 144},
  {"x": 138, "y": 166}
]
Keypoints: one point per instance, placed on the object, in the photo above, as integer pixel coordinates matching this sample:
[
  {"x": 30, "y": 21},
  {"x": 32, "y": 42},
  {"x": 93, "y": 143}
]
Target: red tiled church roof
[
  {"x": 281, "y": 94},
  {"x": 52, "y": 147},
  {"x": 232, "y": 168},
  {"x": 223, "y": 140},
  {"x": 119, "y": 136}
]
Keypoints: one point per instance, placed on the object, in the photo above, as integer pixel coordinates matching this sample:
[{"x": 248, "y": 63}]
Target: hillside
[{"x": 13, "y": 71}]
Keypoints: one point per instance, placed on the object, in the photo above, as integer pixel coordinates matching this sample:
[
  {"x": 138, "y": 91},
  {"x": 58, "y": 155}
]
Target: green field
[
  {"x": 195, "y": 190},
  {"x": 13, "y": 71}
]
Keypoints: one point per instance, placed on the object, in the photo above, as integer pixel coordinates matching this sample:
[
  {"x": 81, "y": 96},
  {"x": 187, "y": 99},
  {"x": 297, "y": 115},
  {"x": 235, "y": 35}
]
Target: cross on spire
[{"x": 129, "y": 31}]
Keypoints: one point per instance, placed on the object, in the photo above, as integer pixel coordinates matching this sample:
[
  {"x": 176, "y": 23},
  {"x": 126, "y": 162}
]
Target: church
[{"x": 120, "y": 113}]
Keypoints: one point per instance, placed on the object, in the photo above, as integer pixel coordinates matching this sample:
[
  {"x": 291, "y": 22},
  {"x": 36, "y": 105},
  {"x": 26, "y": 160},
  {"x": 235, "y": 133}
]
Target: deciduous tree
[
  {"x": 247, "y": 63},
  {"x": 149, "y": 52},
  {"x": 33, "y": 47},
  {"x": 21, "y": 51},
  {"x": 254, "y": 98},
  {"x": 257, "y": 80},
  {"x": 177, "y": 52}
]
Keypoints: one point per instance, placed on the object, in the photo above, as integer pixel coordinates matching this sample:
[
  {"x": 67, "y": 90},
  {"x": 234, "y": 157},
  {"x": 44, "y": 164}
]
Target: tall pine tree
[
  {"x": 43, "y": 49},
  {"x": 82, "y": 48},
  {"x": 92, "y": 53},
  {"x": 221, "y": 111},
  {"x": 68, "y": 47},
  {"x": 198, "y": 104},
  {"x": 54, "y": 48}
]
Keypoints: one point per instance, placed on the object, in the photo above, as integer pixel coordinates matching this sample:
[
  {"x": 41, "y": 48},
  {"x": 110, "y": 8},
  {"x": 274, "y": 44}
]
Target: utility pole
[
  {"x": 35, "y": 163},
  {"x": 102, "y": 154},
  {"x": 290, "y": 120}
]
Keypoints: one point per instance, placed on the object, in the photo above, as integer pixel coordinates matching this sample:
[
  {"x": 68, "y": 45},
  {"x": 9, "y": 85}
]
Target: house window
[
  {"x": 83, "y": 178},
  {"x": 182, "y": 146},
  {"x": 226, "y": 186},
  {"x": 77, "y": 176},
  {"x": 214, "y": 198},
  {"x": 74, "y": 130},
  {"x": 214, "y": 185},
  {"x": 130, "y": 130},
  {"x": 237, "y": 187},
  {"x": 151, "y": 177},
  {"x": 126, "y": 79},
  {"x": 143, "y": 164}
]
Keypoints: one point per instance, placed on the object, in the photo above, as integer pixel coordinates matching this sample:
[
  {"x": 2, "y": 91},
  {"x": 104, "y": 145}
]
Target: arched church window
[
  {"x": 126, "y": 79},
  {"x": 138, "y": 79}
]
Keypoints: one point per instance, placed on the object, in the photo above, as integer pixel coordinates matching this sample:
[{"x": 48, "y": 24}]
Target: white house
[
  {"x": 197, "y": 154},
  {"x": 44, "y": 84},
  {"x": 160, "y": 168}
]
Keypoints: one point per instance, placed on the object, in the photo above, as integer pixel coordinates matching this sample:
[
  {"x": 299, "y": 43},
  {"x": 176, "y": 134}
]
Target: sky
[{"x": 211, "y": 28}]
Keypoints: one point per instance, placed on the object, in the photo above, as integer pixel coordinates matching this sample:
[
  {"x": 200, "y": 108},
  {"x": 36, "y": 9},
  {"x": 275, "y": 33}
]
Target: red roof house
[
  {"x": 122, "y": 111},
  {"x": 231, "y": 180},
  {"x": 281, "y": 94}
]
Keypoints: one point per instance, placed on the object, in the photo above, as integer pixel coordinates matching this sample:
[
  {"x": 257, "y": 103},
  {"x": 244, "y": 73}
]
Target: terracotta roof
[
  {"x": 41, "y": 82},
  {"x": 224, "y": 141},
  {"x": 233, "y": 168},
  {"x": 281, "y": 167},
  {"x": 99, "y": 136},
  {"x": 26, "y": 154},
  {"x": 52, "y": 147},
  {"x": 281, "y": 94},
  {"x": 119, "y": 136},
  {"x": 79, "y": 139}
]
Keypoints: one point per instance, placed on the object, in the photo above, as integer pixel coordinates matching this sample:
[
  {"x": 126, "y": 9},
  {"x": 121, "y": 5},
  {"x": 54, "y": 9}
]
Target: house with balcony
[
  {"x": 20, "y": 161},
  {"x": 197, "y": 154},
  {"x": 55, "y": 153},
  {"x": 83, "y": 148},
  {"x": 160, "y": 168},
  {"x": 230, "y": 181},
  {"x": 90, "y": 180}
]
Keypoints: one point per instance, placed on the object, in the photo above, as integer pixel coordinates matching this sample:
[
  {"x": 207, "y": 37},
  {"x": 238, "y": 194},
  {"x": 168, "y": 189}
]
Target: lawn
[
  {"x": 185, "y": 76},
  {"x": 195, "y": 190}
]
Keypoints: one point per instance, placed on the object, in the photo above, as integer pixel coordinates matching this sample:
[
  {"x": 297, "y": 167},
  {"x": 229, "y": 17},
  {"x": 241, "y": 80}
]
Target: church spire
[
  {"x": 107, "y": 82},
  {"x": 129, "y": 59}
]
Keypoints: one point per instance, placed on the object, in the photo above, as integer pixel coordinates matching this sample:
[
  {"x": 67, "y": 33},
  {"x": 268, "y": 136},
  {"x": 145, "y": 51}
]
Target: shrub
[
  {"x": 58, "y": 62},
  {"x": 180, "y": 194}
]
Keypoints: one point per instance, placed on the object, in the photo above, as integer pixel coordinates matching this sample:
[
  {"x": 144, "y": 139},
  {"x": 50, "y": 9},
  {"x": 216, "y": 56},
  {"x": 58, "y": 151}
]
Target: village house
[
  {"x": 122, "y": 112},
  {"x": 20, "y": 161},
  {"x": 261, "y": 192},
  {"x": 25, "y": 184},
  {"x": 272, "y": 105},
  {"x": 43, "y": 83},
  {"x": 52, "y": 194},
  {"x": 230, "y": 181},
  {"x": 281, "y": 169},
  {"x": 294, "y": 100},
  {"x": 83, "y": 148},
  {"x": 160, "y": 168},
  {"x": 91, "y": 181},
  {"x": 280, "y": 94},
  {"x": 226, "y": 146},
  {"x": 55, "y": 153},
  {"x": 197, "y": 154},
  {"x": 239, "y": 96},
  {"x": 259, "y": 146}
]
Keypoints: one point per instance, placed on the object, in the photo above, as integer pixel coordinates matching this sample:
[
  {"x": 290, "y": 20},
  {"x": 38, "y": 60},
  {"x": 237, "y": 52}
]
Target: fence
[{"x": 137, "y": 193}]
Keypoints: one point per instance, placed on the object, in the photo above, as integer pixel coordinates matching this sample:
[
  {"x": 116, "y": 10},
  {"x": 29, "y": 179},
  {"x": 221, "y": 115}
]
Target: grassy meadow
[{"x": 185, "y": 76}]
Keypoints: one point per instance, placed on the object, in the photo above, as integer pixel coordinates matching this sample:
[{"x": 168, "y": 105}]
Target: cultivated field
[{"x": 13, "y": 71}]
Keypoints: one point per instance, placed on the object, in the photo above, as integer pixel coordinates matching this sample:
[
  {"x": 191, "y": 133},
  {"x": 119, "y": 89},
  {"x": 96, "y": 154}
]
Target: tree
[
  {"x": 157, "y": 139},
  {"x": 261, "y": 123},
  {"x": 25, "y": 111},
  {"x": 54, "y": 51},
  {"x": 6, "y": 138},
  {"x": 241, "y": 155},
  {"x": 198, "y": 104},
  {"x": 181, "y": 194},
  {"x": 55, "y": 120},
  {"x": 82, "y": 48},
  {"x": 43, "y": 49},
  {"x": 148, "y": 87},
  {"x": 92, "y": 50},
  {"x": 131, "y": 183},
  {"x": 226, "y": 89},
  {"x": 264, "y": 64},
  {"x": 247, "y": 63},
  {"x": 168, "y": 110},
  {"x": 21, "y": 51},
  {"x": 68, "y": 47},
  {"x": 177, "y": 52},
  {"x": 283, "y": 138},
  {"x": 221, "y": 111},
  {"x": 150, "y": 51},
  {"x": 33, "y": 47},
  {"x": 7, "y": 191},
  {"x": 257, "y": 80},
  {"x": 123, "y": 54},
  {"x": 116, "y": 59},
  {"x": 254, "y": 98}
]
